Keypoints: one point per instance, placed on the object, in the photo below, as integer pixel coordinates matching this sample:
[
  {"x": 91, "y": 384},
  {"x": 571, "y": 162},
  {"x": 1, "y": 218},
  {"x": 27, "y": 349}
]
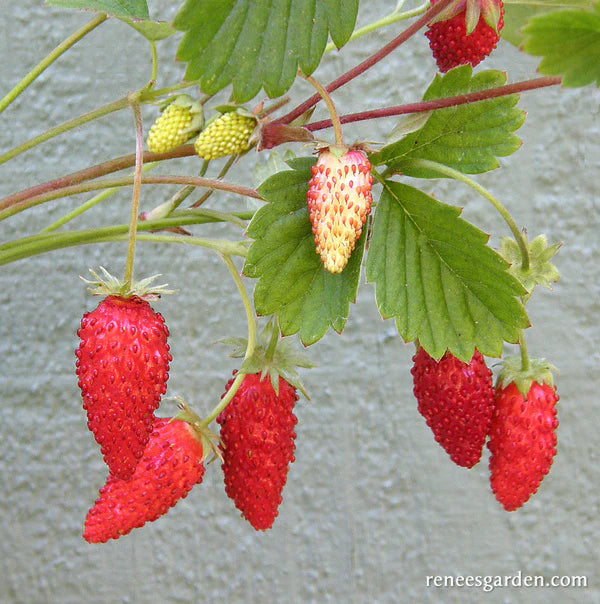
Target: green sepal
[
  {"x": 110, "y": 285},
  {"x": 539, "y": 370},
  {"x": 208, "y": 439},
  {"x": 196, "y": 111},
  {"x": 273, "y": 356},
  {"x": 541, "y": 271}
]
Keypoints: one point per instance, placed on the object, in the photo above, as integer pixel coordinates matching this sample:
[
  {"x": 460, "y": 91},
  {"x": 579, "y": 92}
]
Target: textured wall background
[{"x": 372, "y": 505}]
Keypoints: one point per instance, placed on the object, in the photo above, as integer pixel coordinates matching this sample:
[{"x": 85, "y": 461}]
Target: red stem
[
  {"x": 462, "y": 99},
  {"x": 108, "y": 167},
  {"x": 367, "y": 63}
]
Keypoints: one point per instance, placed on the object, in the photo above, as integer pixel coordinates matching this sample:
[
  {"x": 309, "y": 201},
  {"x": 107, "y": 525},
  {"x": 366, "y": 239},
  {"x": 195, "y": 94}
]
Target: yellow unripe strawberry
[
  {"x": 179, "y": 122},
  {"x": 228, "y": 134},
  {"x": 339, "y": 201}
]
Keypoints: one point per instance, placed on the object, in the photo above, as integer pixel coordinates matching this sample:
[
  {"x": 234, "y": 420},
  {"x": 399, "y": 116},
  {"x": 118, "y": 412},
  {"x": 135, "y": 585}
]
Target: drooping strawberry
[
  {"x": 522, "y": 439},
  {"x": 123, "y": 366},
  {"x": 257, "y": 430},
  {"x": 339, "y": 202},
  {"x": 172, "y": 464},
  {"x": 180, "y": 121},
  {"x": 465, "y": 32},
  {"x": 456, "y": 399},
  {"x": 228, "y": 134}
]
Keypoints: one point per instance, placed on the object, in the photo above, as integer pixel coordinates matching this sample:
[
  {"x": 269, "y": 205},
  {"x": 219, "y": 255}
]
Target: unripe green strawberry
[
  {"x": 228, "y": 134},
  {"x": 177, "y": 124},
  {"x": 339, "y": 201}
]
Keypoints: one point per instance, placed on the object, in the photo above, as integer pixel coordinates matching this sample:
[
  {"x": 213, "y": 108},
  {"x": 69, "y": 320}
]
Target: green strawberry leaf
[
  {"x": 258, "y": 43},
  {"x": 435, "y": 274},
  {"x": 516, "y": 14},
  {"x": 134, "y": 9},
  {"x": 292, "y": 282},
  {"x": 569, "y": 42},
  {"x": 468, "y": 137}
]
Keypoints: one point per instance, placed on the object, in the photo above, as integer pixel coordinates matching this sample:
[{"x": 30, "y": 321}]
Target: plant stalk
[
  {"x": 49, "y": 59},
  {"x": 249, "y": 348},
  {"x": 437, "y": 8}
]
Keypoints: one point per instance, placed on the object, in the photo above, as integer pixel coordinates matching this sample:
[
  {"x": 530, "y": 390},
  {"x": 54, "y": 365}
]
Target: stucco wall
[{"x": 372, "y": 506}]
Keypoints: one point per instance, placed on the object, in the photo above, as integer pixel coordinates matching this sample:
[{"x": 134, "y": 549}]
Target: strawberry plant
[{"x": 329, "y": 216}]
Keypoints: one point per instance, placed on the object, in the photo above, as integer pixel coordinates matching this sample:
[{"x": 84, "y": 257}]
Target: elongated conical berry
[
  {"x": 257, "y": 432},
  {"x": 456, "y": 399},
  {"x": 451, "y": 45},
  {"x": 339, "y": 201},
  {"x": 172, "y": 464},
  {"x": 179, "y": 122},
  {"x": 522, "y": 442},
  {"x": 229, "y": 134},
  {"x": 123, "y": 366}
]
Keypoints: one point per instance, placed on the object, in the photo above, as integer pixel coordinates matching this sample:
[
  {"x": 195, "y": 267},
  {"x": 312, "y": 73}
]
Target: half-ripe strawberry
[
  {"x": 465, "y": 33},
  {"x": 123, "y": 366},
  {"x": 172, "y": 464},
  {"x": 257, "y": 432},
  {"x": 522, "y": 441},
  {"x": 456, "y": 399},
  {"x": 339, "y": 202}
]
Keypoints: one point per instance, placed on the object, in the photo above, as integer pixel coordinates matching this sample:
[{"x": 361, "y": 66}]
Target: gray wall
[{"x": 372, "y": 505}]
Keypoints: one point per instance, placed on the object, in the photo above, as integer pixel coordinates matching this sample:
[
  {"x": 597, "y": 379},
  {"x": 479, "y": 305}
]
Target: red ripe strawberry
[
  {"x": 257, "y": 432},
  {"x": 455, "y": 42},
  {"x": 456, "y": 399},
  {"x": 522, "y": 442},
  {"x": 122, "y": 364},
  {"x": 339, "y": 201},
  {"x": 172, "y": 464}
]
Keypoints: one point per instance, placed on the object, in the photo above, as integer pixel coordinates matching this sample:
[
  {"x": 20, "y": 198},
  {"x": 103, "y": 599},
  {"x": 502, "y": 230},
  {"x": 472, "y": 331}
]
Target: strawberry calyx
[
  {"x": 538, "y": 371},
  {"x": 185, "y": 101},
  {"x": 109, "y": 285},
  {"x": 211, "y": 443},
  {"x": 490, "y": 10},
  {"x": 540, "y": 270},
  {"x": 273, "y": 356}
]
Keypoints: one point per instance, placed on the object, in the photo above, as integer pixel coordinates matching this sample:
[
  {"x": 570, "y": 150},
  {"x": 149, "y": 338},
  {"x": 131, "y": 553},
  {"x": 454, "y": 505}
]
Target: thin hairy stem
[
  {"x": 135, "y": 198},
  {"x": 368, "y": 63},
  {"x": 49, "y": 59},
  {"x": 452, "y": 173},
  {"x": 249, "y": 347},
  {"x": 453, "y": 101}
]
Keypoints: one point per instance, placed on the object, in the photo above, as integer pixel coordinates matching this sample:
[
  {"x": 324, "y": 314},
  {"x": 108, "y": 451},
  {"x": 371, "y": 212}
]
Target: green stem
[
  {"x": 249, "y": 348},
  {"x": 84, "y": 207},
  {"x": 525, "y": 361},
  {"x": 154, "y": 61},
  {"x": 335, "y": 118},
  {"x": 49, "y": 59},
  {"x": 42, "y": 243},
  {"x": 74, "y": 123},
  {"x": 269, "y": 354},
  {"x": 109, "y": 183},
  {"x": 221, "y": 175},
  {"x": 135, "y": 198},
  {"x": 394, "y": 17},
  {"x": 452, "y": 173}
]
